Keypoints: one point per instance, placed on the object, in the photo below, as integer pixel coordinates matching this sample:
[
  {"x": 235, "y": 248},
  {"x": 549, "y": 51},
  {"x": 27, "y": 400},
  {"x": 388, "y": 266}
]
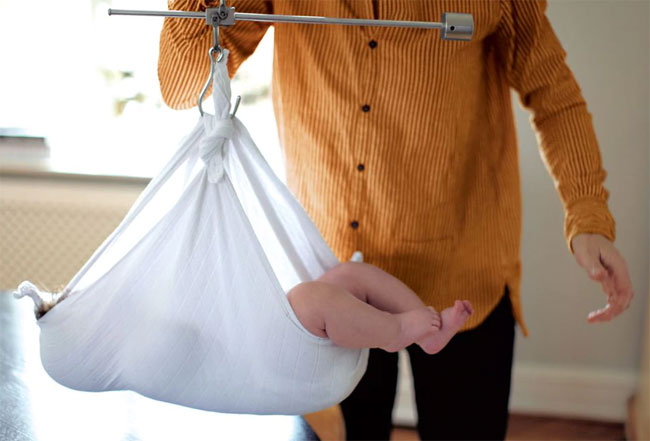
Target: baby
[{"x": 357, "y": 305}]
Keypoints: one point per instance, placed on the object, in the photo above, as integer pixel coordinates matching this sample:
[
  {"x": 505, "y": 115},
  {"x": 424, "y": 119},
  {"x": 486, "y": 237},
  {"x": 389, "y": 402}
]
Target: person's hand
[{"x": 604, "y": 264}]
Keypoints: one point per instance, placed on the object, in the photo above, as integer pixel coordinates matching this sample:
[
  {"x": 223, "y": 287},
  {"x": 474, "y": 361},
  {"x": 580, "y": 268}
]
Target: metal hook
[
  {"x": 216, "y": 47},
  {"x": 212, "y": 64}
]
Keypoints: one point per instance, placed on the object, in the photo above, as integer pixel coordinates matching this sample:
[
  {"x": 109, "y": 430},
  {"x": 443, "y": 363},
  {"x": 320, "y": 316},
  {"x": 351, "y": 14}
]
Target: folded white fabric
[{"x": 185, "y": 301}]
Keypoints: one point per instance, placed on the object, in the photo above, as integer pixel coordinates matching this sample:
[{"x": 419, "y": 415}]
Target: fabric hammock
[{"x": 185, "y": 301}]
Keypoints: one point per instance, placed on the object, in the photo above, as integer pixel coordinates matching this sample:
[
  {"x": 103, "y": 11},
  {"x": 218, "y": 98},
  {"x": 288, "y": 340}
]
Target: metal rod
[
  {"x": 268, "y": 18},
  {"x": 342, "y": 21},
  {"x": 182, "y": 14}
]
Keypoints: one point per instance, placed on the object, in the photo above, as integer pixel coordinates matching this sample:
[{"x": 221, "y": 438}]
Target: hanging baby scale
[{"x": 185, "y": 301}]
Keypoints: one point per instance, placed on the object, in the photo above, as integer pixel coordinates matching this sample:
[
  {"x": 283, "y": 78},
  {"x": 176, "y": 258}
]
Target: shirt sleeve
[
  {"x": 535, "y": 66},
  {"x": 183, "y": 63}
]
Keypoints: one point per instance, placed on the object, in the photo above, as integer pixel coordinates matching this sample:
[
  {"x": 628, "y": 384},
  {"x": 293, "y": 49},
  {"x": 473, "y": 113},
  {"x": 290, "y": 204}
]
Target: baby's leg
[
  {"x": 372, "y": 285},
  {"x": 328, "y": 310}
]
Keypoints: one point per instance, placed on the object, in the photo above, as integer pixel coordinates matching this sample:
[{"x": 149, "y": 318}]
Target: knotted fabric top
[
  {"x": 218, "y": 127},
  {"x": 212, "y": 147}
]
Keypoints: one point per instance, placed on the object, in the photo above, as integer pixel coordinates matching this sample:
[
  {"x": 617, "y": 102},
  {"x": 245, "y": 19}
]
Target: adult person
[{"x": 403, "y": 145}]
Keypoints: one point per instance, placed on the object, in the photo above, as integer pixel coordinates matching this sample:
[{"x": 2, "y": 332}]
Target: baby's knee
[
  {"x": 295, "y": 294},
  {"x": 305, "y": 295},
  {"x": 309, "y": 304},
  {"x": 344, "y": 274},
  {"x": 350, "y": 268}
]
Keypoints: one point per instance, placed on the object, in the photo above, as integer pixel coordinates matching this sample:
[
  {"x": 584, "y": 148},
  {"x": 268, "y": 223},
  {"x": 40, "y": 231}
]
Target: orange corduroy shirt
[{"x": 403, "y": 145}]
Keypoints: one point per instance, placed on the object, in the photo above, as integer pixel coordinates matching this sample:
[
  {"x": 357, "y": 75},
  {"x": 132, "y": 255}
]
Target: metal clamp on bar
[{"x": 221, "y": 16}]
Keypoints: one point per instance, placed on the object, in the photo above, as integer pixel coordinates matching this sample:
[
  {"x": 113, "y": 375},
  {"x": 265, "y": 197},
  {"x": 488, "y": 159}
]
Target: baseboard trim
[
  {"x": 569, "y": 391},
  {"x": 561, "y": 391}
]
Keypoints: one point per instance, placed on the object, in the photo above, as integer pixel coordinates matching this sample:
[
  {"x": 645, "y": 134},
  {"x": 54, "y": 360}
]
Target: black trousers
[{"x": 461, "y": 392}]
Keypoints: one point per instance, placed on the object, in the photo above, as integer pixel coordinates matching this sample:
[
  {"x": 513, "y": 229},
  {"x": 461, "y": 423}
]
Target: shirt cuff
[{"x": 588, "y": 216}]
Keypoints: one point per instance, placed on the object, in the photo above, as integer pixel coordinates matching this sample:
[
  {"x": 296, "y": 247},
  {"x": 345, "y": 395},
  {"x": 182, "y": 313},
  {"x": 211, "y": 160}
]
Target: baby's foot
[
  {"x": 414, "y": 325},
  {"x": 452, "y": 320}
]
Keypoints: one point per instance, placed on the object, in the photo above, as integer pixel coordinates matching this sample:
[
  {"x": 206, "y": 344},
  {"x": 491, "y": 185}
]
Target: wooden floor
[{"x": 529, "y": 428}]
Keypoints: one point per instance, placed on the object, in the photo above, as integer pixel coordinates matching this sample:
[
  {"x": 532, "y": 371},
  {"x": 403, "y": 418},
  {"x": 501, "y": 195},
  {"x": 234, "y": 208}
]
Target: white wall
[
  {"x": 607, "y": 43},
  {"x": 567, "y": 367}
]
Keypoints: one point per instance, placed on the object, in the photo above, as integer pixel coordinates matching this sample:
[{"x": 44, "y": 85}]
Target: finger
[
  {"x": 617, "y": 308},
  {"x": 599, "y": 315},
  {"x": 608, "y": 287},
  {"x": 604, "y": 313},
  {"x": 607, "y": 284},
  {"x": 613, "y": 308},
  {"x": 603, "y": 316},
  {"x": 615, "y": 263},
  {"x": 616, "y": 272},
  {"x": 618, "y": 300},
  {"x": 620, "y": 277},
  {"x": 613, "y": 311},
  {"x": 607, "y": 313},
  {"x": 623, "y": 286}
]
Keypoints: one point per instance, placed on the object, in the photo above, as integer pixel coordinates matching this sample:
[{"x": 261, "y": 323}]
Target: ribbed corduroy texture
[{"x": 437, "y": 200}]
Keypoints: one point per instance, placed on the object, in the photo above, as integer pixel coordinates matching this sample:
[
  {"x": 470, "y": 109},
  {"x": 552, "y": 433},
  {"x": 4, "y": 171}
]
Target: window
[{"x": 88, "y": 83}]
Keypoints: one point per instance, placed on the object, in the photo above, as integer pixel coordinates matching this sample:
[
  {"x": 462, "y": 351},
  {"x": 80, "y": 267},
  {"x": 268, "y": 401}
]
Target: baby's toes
[{"x": 459, "y": 307}]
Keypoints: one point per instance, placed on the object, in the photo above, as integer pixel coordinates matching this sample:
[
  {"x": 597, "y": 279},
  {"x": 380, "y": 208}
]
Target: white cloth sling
[{"x": 185, "y": 301}]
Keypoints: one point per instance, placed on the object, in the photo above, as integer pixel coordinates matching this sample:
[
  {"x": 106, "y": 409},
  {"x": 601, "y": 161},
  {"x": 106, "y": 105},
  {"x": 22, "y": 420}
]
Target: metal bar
[
  {"x": 269, "y": 18},
  {"x": 341, "y": 21},
  {"x": 181, "y": 14}
]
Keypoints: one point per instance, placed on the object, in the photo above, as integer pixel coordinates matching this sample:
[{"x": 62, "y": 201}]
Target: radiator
[{"x": 50, "y": 226}]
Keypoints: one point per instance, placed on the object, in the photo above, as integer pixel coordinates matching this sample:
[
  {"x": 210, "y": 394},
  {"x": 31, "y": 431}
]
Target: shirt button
[
  {"x": 354, "y": 224},
  {"x": 360, "y": 167},
  {"x": 372, "y": 44},
  {"x": 365, "y": 108}
]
